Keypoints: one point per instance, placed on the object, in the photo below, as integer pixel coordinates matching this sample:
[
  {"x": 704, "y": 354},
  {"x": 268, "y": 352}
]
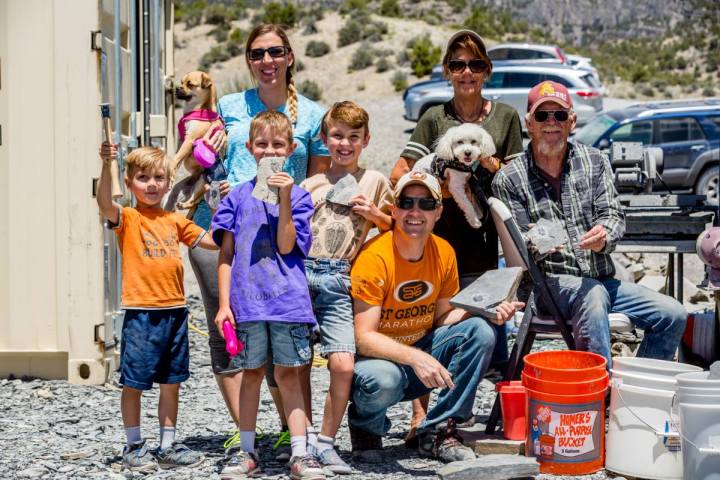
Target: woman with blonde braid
[{"x": 270, "y": 59}]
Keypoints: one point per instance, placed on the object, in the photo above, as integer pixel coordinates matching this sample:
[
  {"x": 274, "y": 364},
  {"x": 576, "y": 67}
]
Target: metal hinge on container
[{"x": 96, "y": 40}]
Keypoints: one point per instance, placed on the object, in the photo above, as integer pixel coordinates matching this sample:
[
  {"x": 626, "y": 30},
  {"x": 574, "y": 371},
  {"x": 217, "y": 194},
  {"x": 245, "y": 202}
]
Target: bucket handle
[{"x": 616, "y": 382}]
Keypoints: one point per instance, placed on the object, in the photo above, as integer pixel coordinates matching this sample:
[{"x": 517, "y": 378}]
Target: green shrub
[
  {"x": 361, "y": 59},
  {"x": 349, "y": 6},
  {"x": 316, "y": 49},
  {"x": 216, "y": 54},
  {"x": 219, "y": 14},
  {"x": 648, "y": 91},
  {"x": 236, "y": 42},
  {"x": 190, "y": 12},
  {"x": 350, "y": 33},
  {"x": 382, "y": 65},
  {"x": 310, "y": 89},
  {"x": 282, "y": 14},
  {"x": 220, "y": 33},
  {"x": 299, "y": 66},
  {"x": 708, "y": 91},
  {"x": 361, "y": 28},
  {"x": 423, "y": 55},
  {"x": 390, "y": 8},
  {"x": 399, "y": 81},
  {"x": 457, "y": 5}
]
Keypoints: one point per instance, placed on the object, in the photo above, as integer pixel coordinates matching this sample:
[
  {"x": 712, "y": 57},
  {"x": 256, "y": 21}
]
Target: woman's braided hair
[{"x": 265, "y": 28}]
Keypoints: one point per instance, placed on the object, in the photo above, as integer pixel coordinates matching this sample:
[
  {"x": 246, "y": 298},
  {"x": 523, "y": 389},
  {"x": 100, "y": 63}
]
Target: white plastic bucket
[
  {"x": 700, "y": 427},
  {"x": 697, "y": 380},
  {"x": 642, "y": 438}
]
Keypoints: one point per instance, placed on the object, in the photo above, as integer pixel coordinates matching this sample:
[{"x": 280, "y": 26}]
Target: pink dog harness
[{"x": 203, "y": 115}]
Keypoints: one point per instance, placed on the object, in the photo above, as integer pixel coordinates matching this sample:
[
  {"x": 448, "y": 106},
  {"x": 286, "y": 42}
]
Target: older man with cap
[
  {"x": 572, "y": 184},
  {"x": 409, "y": 338}
]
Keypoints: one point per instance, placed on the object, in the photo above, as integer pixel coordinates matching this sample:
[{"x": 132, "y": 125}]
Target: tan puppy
[{"x": 198, "y": 92}]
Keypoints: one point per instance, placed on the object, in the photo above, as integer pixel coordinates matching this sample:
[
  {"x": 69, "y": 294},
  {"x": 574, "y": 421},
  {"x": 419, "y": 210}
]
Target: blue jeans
[
  {"x": 463, "y": 348},
  {"x": 588, "y": 301},
  {"x": 329, "y": 284}
]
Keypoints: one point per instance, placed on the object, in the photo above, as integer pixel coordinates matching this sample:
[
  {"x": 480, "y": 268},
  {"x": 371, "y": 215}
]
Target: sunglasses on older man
[
  {"x": 424, "y": 203},
  {"x": 257, "y": 54},
  {"x": 477, "y": 65},
  {"x": 558, "y": 115}
]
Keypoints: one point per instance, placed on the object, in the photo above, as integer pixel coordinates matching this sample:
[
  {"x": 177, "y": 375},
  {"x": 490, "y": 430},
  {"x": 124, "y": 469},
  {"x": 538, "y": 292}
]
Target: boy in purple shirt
[{"x": 263, "y": 292}]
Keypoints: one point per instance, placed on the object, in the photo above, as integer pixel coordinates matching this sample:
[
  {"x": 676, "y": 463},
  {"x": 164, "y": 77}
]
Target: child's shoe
[
  {"x": 137, "y": 457},
  {"x": 306, "y": 468},
  {"x": 240, "y": 464},
  {"x": 330, "y": 460},
  {"x": 178, "y": 455},
  {"x": 282, "y": 447}
]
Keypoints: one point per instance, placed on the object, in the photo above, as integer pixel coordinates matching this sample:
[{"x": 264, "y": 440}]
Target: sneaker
[
  {"x": 240, "y": 464},
  {"x": 330, "y": 460},
  {"x": 282, "y": 447},
  {"x": 178, "y": 455},
  {"x": 366, "y": 447},
  {"x": 137, "y": 457},
  {"x": 444, "y": 444},
  {"x": 306, "y": 468}
]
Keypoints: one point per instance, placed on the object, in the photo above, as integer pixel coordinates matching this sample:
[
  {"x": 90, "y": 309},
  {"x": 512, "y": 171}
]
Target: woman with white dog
[
  {"x": 467, "y": 66},
  {"x": 270, "y": 60}
]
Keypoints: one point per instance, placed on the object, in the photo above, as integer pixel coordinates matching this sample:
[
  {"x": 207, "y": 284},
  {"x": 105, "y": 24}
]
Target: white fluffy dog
[{"x": 456, "y": 156}]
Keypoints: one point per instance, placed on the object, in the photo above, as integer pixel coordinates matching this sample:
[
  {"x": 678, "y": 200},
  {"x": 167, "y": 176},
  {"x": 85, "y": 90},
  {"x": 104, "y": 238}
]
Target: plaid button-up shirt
[{"x": 587, "y": 198}]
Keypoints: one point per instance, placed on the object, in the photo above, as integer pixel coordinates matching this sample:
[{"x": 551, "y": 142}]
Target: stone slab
[
  {"x": 343, "y": 190},
  {"x": 266, "y": 167},
  {"x": 655, "y": 283},
  {"x": 546, "y": 235},
  {"x": 485, "y": 293},
  {"x": 491, "y": 467},
  {"x": 484, "y": 444}
]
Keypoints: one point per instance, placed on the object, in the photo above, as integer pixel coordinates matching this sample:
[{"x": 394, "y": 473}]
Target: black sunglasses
[
  {"x": 558, "y": 115},
  {"x": 256, "y": 54},
  {"x": 476, "y": 66},
  {"x": 425, "y": 203}
]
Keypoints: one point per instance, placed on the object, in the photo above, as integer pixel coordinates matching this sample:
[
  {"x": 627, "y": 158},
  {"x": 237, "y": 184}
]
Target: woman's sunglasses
[
  {"x": 425, "y": 203},
  {"x": 558, "y": 115},
  {"x": 256, "y": 54},
  {"x": 476, "y": 66}
]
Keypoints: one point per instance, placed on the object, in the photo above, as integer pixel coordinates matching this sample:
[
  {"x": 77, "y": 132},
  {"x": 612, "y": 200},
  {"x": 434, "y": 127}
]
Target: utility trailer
[{"x": 59, "y": 268}]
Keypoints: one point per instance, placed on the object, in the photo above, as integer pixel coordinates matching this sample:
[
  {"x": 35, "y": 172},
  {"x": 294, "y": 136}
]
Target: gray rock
[
  {"x": 491, "y": 467},
  {"x": 343, "y": 190},
  {"x": 266, "y": 167},
  {"x": 546, "y": 235},
  {"x": 653, "y": 282},
  {"x": 487, "y": 292}
]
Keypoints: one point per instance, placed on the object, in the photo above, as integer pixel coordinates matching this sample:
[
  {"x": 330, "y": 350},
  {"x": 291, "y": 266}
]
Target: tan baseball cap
[
  {"x": 419, "y": 177},
  {"x": 462, "y": 33}
]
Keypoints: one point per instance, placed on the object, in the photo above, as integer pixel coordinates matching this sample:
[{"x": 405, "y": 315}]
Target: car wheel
[{"x": 709, "y": 184}]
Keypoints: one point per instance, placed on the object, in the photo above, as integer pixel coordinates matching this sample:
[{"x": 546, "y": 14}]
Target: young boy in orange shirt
[{"x": 154, "y": 334}]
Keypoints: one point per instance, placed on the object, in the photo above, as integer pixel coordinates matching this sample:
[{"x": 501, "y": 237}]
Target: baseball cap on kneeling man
[
  {"x": 418, "y": 177},
  {"x": 548, "y": 92}
]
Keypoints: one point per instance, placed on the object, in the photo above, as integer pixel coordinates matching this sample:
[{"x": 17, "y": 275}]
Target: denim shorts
[
  {"x": 289, "y": 345},
  {"x": 329, "y": 283},
  {"x": 154, "y": 347}
]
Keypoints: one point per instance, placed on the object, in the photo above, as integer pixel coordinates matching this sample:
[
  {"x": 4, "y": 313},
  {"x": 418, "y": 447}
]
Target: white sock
[
  {"x": 312, "y": 437},
  {"x": 299, "y": 445},
  {"x": 324, "y": 443},
  {"x": 167, "y": 437},
  {"x": 133, "y": 435},
  {"x": 247, "y": 441}
]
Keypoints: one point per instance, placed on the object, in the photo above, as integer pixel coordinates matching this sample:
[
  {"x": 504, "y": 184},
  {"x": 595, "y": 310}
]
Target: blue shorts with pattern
[
  {"x": 288, "y": 343},
  {"x": 154, "y": 348}
]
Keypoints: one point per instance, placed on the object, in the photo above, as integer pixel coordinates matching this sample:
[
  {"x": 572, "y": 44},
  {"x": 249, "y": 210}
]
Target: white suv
[{"x": 510, "y": 83}]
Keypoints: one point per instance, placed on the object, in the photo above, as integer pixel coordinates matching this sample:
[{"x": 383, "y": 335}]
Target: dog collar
[{"x": 439, "y": 166}]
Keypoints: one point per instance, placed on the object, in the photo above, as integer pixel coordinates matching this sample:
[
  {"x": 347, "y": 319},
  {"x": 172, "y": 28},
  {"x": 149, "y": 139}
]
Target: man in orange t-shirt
[{"x": 409, "y": 338}]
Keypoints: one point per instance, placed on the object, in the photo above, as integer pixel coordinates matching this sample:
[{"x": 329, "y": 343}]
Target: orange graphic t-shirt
[
  {"x": 406, "y": 291},
  {"x": 152, "y": 268}
]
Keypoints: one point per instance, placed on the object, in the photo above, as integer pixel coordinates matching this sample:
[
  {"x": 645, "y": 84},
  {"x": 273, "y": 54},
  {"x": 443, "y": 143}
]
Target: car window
[
  {"x": 590, "y": 80},
  {"x": 716, "y": 120},
  {"x": 521, "y": 79},
  {"x": 526, "y": 54},
  {"x": 634, "y": 132},
  {"x": 557, "y": 79},
  {"x": 679, "y": 130},
  {"x": 595, "y": 128},
  {"x": 495, "y": 80},
  {"x": 498, "y": 54}
]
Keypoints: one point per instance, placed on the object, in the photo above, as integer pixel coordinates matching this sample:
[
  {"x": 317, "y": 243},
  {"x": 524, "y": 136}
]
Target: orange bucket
[
  {"x": 566, "y": 413},
  {"x": 513, "y": 401}
]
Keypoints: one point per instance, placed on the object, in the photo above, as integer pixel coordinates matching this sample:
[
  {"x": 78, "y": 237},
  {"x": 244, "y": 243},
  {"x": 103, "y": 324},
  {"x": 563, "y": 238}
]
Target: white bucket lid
[
  {"x": 651, "y": 366},
  {"x": 645, "y": 380},
  {"x": 697, "y": 380},
  {"x": 698, "y": 399}
]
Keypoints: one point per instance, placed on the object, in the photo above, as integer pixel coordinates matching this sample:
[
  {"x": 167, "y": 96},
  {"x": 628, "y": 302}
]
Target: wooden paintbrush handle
[{"x": 114, "y": 170}]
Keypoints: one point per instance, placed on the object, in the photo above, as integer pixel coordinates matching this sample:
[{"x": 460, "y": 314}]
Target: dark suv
[{"x": 688, "y": 131}]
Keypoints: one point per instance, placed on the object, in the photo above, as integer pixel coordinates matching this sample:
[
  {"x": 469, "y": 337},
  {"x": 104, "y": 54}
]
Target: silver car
[{"x": 510, "y": 84}]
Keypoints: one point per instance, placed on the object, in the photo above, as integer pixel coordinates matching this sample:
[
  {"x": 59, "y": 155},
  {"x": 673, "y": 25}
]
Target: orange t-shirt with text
[
  {"x": 152, "y": 268},
  {"x": 406, "y": 291}
]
